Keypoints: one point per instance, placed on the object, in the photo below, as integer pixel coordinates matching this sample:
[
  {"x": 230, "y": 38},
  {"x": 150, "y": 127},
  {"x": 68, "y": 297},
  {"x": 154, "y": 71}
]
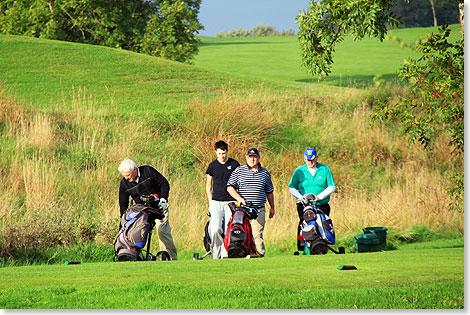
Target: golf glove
[{"x": 163, "y": 204}]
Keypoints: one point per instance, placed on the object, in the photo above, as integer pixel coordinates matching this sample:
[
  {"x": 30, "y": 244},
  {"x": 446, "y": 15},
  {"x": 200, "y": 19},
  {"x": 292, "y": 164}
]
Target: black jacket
[{"x": 150, "y": 182}]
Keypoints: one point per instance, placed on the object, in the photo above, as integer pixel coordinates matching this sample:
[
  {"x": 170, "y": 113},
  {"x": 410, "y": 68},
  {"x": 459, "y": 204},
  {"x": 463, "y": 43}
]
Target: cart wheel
[{"x": 162, "y": 255}]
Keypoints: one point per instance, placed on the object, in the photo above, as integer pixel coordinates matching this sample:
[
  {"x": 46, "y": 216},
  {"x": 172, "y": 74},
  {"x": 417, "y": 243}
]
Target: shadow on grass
[
  {"x": 355, "y": 81},
  {"x": 232, "y": 43}
]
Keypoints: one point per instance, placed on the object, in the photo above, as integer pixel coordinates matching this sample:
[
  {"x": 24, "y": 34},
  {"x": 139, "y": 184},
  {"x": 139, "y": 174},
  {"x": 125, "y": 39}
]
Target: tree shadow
[
  {"x": 355, "y": 81},
  {"x": 230, "y": 43}
]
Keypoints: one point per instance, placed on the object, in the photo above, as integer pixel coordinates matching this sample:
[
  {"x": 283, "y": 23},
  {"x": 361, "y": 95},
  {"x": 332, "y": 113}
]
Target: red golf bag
[{"x": 238, "y": 240}]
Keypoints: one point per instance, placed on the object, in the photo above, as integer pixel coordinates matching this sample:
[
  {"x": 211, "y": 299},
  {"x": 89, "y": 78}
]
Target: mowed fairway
[
  {"x": 278, "y": 58},
  {"x": 402, "y": 279}
]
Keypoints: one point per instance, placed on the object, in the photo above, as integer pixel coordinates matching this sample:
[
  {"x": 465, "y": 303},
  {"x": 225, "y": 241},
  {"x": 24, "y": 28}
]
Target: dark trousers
[{"x": 300, "y": 211}]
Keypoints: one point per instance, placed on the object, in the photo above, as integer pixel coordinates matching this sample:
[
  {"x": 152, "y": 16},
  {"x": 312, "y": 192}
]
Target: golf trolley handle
[
  {"x": 248, "y": 209},
  {"x": 152, "y": 204},
  {"x": 249, "y": 206},
  {"x": 149, "y": 198},
  {"x": 308, "y": 200}
]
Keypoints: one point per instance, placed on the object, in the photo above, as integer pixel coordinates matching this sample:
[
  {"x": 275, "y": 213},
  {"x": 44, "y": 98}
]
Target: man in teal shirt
[{"x": 312, "y": 178}]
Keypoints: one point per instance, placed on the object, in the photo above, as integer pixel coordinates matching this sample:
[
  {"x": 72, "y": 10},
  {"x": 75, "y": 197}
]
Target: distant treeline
[
  {"x": 415, "y": 13},
  {"x": 425, "y": 13},
  {"x": 257, "y": 31}
]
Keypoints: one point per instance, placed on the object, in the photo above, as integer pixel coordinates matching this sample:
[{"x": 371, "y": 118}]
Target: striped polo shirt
[{"x": 252, "y": 186}]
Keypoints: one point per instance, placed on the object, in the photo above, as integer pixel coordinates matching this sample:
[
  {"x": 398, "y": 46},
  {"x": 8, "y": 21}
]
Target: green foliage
[
  {"x": 120, "y": 23},
  {"x": 436, "y": 100},
  {"x": 171, "y": 33},
  {"x": 115, "y": 24},
  {"x": 325, "y": 24},
  {"x": 435, "y": 103}
]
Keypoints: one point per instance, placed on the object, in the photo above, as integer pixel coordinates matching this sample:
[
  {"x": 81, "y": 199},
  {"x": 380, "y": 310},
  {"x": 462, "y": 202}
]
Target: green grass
[
  {"x": 46, "y": 73},
  {"x": 356, "y": 63},
  {"x": 404, "y": 279}
]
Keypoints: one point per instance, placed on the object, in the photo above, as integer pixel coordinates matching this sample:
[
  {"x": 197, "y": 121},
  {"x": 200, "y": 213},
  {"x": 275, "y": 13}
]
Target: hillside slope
[{"x": 44, "y": 72}]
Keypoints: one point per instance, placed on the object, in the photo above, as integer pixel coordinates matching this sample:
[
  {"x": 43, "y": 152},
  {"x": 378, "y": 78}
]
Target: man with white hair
[{"x": 145, "y": 180}]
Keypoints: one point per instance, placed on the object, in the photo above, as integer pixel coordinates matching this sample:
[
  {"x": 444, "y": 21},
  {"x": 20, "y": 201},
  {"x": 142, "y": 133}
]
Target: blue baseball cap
[{"x": 310, "y": 154}]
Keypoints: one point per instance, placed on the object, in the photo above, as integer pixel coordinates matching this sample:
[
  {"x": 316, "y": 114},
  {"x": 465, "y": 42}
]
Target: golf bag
[
  {"x": 135, "y": 231},
  {"x": 317, "y": 230},
  {"x": 238, "y": 240}
]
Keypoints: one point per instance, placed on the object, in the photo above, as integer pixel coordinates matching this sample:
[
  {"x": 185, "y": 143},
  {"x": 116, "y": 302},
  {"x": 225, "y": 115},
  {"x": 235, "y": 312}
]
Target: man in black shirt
[
  {"x": 218, "y": 172},
  {"x": 146, "y": 180}
]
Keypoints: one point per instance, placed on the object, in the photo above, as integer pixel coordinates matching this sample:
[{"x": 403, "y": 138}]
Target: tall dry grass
[{"x": 59, "y": 169}]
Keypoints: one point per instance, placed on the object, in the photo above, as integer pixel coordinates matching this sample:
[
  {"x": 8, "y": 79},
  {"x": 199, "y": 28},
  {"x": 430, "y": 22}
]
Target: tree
[
  {"x": 431, "y": 2},
  {"x": 171, "y": 32},
  {"x": 419, "y": 13},
  {"x": 117, "y": 23},
  {"x": 435, "y": 103},
  {"x": 325, "y": 23},
  {"x": 263, "y": 30}
]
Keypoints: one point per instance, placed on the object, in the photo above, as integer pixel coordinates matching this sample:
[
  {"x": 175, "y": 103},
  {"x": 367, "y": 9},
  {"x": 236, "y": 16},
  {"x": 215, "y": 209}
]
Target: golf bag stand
[
  {"x": 148, "y": 255},
  {"x": 206, "y": 241},
  {"x": 316, "y": 229},
  {"x": 136, "y": 230},
  {"x": 161, "y": 255}
]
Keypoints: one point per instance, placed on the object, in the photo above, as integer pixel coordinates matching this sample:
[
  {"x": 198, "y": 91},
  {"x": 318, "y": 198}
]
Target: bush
[
  {"x": 263, "y": 30},
  {"x": 257, "y": 31}
]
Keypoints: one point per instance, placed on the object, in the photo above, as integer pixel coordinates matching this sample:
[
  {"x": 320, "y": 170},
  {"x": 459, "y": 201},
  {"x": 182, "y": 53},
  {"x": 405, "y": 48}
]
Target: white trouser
[{"x": 220, "y": 216}]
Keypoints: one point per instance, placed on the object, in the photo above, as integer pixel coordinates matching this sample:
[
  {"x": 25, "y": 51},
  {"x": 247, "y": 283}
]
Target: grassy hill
[
  {"x": 70, "y": 113},
  {"x": 46, "y": 73}
]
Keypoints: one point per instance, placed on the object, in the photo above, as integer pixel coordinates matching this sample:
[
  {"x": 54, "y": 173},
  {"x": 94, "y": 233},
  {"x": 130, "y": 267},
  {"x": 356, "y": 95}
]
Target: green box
[
  {"x": 380, "y": 231},
  {"x": 369, "y": 242}
]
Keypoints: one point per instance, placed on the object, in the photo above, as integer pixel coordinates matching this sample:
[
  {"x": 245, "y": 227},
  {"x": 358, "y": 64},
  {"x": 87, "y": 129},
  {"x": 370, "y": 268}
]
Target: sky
[{"x": 220, "y": 15}]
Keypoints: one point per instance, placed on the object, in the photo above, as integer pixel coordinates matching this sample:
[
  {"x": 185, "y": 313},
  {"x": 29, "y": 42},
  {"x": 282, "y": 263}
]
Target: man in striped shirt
[{"x": 252, "y": 182}]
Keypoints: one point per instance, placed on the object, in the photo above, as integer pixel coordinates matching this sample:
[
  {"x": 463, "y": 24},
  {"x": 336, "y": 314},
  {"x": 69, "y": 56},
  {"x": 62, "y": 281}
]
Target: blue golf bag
[{"x": 317, "y": 230}]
